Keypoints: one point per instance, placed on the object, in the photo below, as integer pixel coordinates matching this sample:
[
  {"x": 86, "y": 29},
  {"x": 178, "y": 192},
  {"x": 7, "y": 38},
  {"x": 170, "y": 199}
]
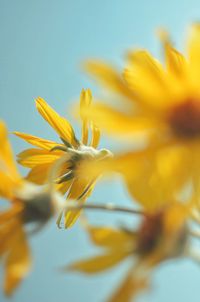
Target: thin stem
[{"x": 106, "y": 207}]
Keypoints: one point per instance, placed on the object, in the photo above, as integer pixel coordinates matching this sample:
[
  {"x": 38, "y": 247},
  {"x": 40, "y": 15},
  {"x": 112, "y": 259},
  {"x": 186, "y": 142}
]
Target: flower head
[
  {"x": 27, "y": 204},
  {"x": 162, "y": 103},
  {"x": 70, "y": 154},
  {"x": 161, "y": 236}
]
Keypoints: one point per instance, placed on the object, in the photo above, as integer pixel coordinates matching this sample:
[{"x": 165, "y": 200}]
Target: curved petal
[
  {"x": 7, "y": 185},
  {"x": 33, "y": 157},
  {"x": 39, "y": 174},
  {"x": 116, "y": 122},
  {"x": 37, "y": 141},
  {"x": 99, "y": 263},
  {"x": 79, "y": 192},
  {"x": 175, "y": 61},
  {"x": 109, "y": 77},
  {"x": 163, "y": 172},
  {"x": 7, "y": 162},
  {"x": 193, "y": 45},
  {"x": 130, "y": 288},
  {"x": 110, "y": 237},
  {"x": 85, "y": 101},
  {"x": 58, "y": 123},
  {"x": 18, "y": 262},
  {"x": 95, "y": 136}
]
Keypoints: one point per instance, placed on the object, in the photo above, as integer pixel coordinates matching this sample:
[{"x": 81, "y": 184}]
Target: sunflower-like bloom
[
  {"x": 161, "y": 236},
  {"x": 161, "y": 103},
  {"x": 27, "y": 204},
  {"x": 71, "y": 151}
]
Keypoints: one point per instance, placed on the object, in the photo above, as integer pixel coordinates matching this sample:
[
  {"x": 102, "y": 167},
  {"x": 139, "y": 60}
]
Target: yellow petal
[
  {"x": 37, "y": 141},
  {"x": 143, "y": 68},
  {"x": 162, "y": 172},
  {"x": 144, "y": 61},
  {"x": 85, "y": 101},
  {"x": 115, "y": 122},
  {"x": 109, "y": 77},
  {"x": 39, "y": 174},
  {"x": 95, "y": 136},
  {"x": 99, "y": 263},
  {"x": 33, "y": 157},
  {"x": 109, "y": 237},
  {"x": 64, "y": 187},
  {"x": 194, "y": 50},
  {"x": 175, "y": 61},
  {"x": 130, "y": 288},
  {"x": 17, "y": 263},
  {"x": 78, "y": 188},
  {"x": 9, "y": 223},
  {"x": 176, "y": 65},
  {"x": 7, "y": 186},
  {"x": 175, "y": 218},
  {"x": 7, "y": 162},
  {"x": 58, "y": 123},
  {"x": 10, "y": 214}
]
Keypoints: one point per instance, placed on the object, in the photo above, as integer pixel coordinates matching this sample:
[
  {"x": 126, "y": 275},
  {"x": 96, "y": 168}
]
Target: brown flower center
[
  {"x": 185, "y": 119},
  {"x": 38, "y": 209},
  {"x": 150, "y": 233}
]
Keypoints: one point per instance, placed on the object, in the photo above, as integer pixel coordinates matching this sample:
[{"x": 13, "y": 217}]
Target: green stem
[{"x": 107, "y": 207}]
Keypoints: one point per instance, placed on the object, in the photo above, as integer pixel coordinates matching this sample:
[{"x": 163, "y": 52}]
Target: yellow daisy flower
[
  {"x": 28, "y": 204},
  {"x": 73, "y": 152},
  {"x": 163, "y": 104},
  {"x": 161, "y": 236}
]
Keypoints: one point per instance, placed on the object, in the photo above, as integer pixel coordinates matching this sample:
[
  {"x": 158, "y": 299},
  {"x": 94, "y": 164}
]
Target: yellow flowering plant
[
  {"x": 71, "y": 152},
  {"x": 161, "y": 105},
  {"x": 28, "y": 203},
  {"x": 161, "y": 236}
]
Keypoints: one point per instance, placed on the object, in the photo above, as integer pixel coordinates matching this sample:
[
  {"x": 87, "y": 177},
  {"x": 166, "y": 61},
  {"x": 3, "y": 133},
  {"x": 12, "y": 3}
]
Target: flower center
[
  {"x": 149, "y": 233},
  {"x": 152, "y": 235},
  {"x": 37, "y": 203},
  {"x": 185, "y": 119},
  {"x": 38, "y": 209}
]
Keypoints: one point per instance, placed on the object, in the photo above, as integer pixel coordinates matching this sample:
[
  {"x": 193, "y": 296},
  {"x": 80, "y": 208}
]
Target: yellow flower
[
  {"x": 27, "y": 204},
  {"x": 161, "y": 236},
  {"x": 161, "y": 103},
  {"x": 41, "y": 159}
]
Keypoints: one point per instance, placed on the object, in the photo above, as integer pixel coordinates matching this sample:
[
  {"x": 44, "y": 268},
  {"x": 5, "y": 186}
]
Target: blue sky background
[{"x": 43, "y": 43}]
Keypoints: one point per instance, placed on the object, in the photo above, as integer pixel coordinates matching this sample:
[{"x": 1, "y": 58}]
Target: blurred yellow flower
[
  {"x": 161, "y": 236},
  {"x": 28, "y": 203},
  {"x": 163, "y": 104},
  {"x": 73, "y": 152}
]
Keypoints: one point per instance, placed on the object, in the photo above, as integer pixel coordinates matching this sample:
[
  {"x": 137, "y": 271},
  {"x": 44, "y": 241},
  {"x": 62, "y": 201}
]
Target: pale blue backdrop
[{"x": 43, "y": 43}]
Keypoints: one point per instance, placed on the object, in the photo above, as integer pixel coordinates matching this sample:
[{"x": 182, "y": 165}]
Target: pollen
[{"x": 185, "y": 119}]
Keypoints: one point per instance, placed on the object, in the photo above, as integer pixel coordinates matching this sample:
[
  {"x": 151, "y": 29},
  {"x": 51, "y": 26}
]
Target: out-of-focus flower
[
  {"x": 161, "y": 236},
  {"x": 28, "y": 204},
  {"x": 162, "y": 103},
  {"x": 73, "y": 152}
]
